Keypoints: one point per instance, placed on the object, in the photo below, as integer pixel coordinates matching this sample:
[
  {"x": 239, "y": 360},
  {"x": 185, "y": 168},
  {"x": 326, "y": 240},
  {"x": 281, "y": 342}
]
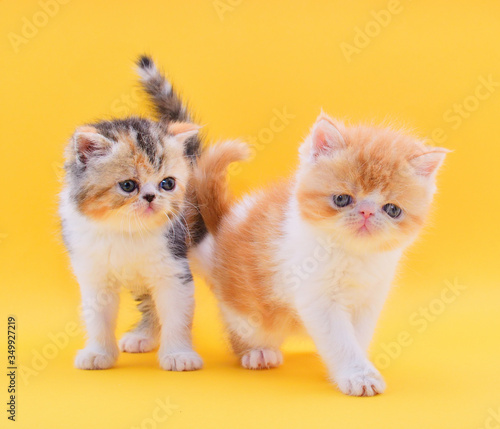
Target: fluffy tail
[
  {"x": 210, "y": 180},
  {"x": 169, "y": 107},
  {"x": 167, "y": 103}
]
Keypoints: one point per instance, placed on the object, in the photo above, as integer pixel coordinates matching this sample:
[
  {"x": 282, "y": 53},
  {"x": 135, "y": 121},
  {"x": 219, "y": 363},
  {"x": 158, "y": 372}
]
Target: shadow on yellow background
[{"x": 259, "y": 70}]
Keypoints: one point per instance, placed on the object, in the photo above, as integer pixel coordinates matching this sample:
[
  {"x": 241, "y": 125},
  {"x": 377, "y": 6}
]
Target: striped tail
[{"x": 168, "y": 105}]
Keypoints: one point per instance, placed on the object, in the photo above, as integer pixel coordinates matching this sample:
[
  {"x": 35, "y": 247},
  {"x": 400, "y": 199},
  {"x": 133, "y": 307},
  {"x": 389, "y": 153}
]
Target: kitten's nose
[
  {"x": 366, "y": 213},
  {"x": 149, "y": 197},
  {"x": 367, "y": 209}
]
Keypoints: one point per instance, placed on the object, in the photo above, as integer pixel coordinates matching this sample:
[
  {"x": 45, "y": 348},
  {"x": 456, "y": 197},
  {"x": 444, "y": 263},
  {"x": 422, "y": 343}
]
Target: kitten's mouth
[
  {"x": 364, "y": 229},
  {"x": 149, "y": 210}
]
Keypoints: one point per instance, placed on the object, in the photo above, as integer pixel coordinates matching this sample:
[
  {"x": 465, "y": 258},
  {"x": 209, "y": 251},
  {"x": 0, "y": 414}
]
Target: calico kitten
[
  {"x": 320, "y": 250},
  {"x": 127, "y": 218}
]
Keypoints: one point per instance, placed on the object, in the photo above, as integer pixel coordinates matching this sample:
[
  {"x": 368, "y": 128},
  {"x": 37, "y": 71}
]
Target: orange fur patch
[
  {"x": 175, "y": 128},
  {"x": 210, "y": 180},
  {"x": 244, "y": 269}
]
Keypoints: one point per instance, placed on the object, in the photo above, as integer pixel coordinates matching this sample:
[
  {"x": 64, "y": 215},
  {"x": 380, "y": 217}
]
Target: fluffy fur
[
  {"x": 288, "y": 257},
  {"x": 136, "y": 238}
]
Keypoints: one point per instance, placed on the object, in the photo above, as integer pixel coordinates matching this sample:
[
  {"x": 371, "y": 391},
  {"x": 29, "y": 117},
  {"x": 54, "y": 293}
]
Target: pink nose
[
  {"x": 367, "y": 209},
  {"x": 366, "y": 213}
]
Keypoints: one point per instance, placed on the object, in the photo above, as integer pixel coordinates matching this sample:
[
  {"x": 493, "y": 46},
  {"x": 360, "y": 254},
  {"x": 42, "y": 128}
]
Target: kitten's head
[
  {"x": 371, "y": 187},
  {"x": 129, "y": 174}
]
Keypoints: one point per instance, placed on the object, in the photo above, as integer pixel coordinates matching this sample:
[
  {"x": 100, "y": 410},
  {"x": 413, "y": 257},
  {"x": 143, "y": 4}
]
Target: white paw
[
  {"x": 361, "y": 382},
  {"x": 261, "y": 359},
  {"x": 137, "y": 342},
  {"x": 183, "y": 361},
  {"x": 89, "y": 358}
]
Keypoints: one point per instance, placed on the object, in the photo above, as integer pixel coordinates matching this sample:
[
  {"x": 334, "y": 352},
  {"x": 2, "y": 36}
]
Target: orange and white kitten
[{"x": 320, "y": 250}]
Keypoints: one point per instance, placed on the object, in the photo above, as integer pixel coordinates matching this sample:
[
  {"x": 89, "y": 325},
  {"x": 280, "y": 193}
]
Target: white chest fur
[
  {"x": 313, "y": 264},
  {"x": 132, "y": 260}
]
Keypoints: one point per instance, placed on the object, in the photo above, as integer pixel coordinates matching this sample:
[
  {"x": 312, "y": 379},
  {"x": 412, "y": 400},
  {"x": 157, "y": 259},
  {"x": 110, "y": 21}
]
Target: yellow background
[{"x": 236, "y": 61}]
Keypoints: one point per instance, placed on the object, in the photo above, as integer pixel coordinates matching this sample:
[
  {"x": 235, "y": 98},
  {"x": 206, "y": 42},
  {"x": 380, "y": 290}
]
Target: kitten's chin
[
  {"x": 364, "y": 231},
  {"x": 152, "y": 218},
  {"x": 368, "y": 244},
  {"x": 368, "y": 237},
  {"x": 365, "y": 239},
  {"x": 138, "y": 222},
  {"x": 149, "y": 211}
]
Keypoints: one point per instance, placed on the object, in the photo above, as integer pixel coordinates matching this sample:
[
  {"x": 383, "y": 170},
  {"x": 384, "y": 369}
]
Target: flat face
[
  {"x": 127, "y": 173},
  {"x": 349, "y": 190}
]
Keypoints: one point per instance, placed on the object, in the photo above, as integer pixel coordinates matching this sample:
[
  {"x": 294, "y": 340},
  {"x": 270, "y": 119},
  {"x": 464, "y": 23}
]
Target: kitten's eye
[
  {"x": 128, "y": 185},
  {"x": 342, "y": 200},
  {"x": 392, "y": 210},
  {"x": 168, "y": 184}
]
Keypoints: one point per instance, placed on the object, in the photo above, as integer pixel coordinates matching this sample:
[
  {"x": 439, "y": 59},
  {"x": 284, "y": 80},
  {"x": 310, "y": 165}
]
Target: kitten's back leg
[
  {"x": 257, "y": 347},
  {"x": 144, "y": 337}
]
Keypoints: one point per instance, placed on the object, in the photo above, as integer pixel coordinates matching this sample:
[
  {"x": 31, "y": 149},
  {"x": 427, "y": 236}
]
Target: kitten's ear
[
  {"x": 427, "y": 164},
  {"x": 182, "y": 131},
  {"x": 88, "y": 143},
  {"x": 325, "y": 137}
]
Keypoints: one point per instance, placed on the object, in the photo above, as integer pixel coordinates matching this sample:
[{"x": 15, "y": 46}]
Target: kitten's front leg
[
  {"x": 331, "y": 328},
  {"x": 364, "y": 326},
  {"x": 365, "y": 321},
  {"x": 100, "y": 310},
  {"x": 175, "y": 303}
]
